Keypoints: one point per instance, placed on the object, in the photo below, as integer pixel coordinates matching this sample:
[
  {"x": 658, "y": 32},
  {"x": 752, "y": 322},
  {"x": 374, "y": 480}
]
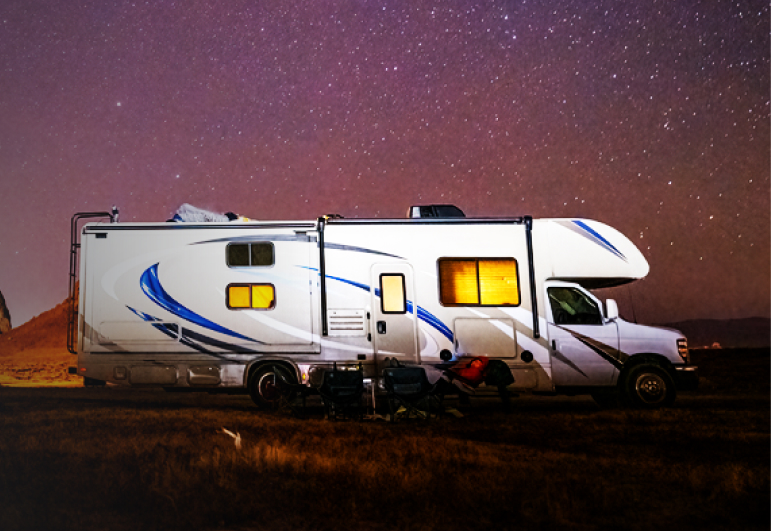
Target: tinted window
[
  {"x": 252, "y": 254},
  {"x": 238, "y": 255},
  {"x": 573, "y": 307},
  {"x": 262, "y": 254}
]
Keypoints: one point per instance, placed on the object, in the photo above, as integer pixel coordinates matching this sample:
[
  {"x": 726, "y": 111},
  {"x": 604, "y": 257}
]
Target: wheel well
[
  {"x": 645, "y": 358},
  {"x": 260, "y": 364}
]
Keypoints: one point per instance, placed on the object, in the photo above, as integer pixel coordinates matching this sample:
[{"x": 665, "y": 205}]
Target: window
[
  {"x": 251, "y": 254},
  {"x": 479, "y": 282},
  {"x": 393, "y": 293},
  {"x": 251, "y": 296},
  {"x": 573, "y": 307}
]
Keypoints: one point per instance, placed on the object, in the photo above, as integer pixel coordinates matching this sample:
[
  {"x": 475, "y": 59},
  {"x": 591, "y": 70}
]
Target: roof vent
[{"x": 434, "y": 211}]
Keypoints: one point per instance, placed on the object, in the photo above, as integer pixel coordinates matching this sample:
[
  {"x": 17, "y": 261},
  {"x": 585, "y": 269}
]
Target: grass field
[{"x": 111, "y": 458}]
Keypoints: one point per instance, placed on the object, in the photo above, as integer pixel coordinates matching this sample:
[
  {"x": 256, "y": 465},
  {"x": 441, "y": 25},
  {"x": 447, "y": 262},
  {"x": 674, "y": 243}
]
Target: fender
[
  {"x": 256, "y": 363},
  {"x": 646, "y": 358}
]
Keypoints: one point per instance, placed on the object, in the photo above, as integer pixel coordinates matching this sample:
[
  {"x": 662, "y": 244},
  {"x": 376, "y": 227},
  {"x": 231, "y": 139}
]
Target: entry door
[
  {"x": 584, "y": 345},
  {"x": 394, "y": 312}
]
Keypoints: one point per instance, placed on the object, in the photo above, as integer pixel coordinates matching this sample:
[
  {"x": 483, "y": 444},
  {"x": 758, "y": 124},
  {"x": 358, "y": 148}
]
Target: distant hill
[
  {"x": 45, "y": 331},
  {"x": 746, "y": 332},
  {"x": 35, "y": 353}
]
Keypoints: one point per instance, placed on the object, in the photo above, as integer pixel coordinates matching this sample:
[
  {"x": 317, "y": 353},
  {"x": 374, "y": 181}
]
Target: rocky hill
[
  {"x": 45, "y": 331},
  {"x": 5, "y": 316},
  {"x": 35, "y": 353}
]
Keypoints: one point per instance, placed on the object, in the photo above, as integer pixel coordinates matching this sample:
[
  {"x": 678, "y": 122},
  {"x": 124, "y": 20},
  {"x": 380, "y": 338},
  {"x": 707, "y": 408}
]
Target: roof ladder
[{"x": 72, "y": 314}]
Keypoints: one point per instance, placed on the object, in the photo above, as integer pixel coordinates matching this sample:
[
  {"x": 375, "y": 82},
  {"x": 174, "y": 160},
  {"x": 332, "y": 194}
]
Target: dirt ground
[{"x": 110, "y": 458}]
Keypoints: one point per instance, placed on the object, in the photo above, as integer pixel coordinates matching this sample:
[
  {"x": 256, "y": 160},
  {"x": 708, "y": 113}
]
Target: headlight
[{"x": 683, "y": 349}]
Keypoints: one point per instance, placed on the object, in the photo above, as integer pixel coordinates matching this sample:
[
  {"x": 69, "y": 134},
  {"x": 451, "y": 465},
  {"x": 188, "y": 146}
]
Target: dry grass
[
  {"x": 36, "y": 374},
  {"x": 127, "y": 459}
]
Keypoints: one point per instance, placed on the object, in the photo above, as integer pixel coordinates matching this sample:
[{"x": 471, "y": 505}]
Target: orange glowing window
[
  {"x": 458, "y": 282},
  {"x": 251, "y": 296},
  {"x": 393, "y": 299},
  {"x": 262, "y": 296},
  {"x": 479, "y": 282},
  {"x": 238, "y": 296},
  {"x": 498, "y": 282}
]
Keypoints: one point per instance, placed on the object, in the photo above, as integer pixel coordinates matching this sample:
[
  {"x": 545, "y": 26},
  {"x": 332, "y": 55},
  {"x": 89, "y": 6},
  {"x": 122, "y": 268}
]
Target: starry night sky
[{"x": 653, "y": 117}]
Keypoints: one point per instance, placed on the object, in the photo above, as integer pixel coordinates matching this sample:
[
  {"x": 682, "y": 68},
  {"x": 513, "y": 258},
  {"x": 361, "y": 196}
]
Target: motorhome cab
[{"x": 223, "y": 305}]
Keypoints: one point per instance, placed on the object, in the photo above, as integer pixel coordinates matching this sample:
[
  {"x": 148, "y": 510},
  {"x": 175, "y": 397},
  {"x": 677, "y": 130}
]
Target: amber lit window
[
  {"x": 250, "y": 254},
  {"x": 393, "y": 293},
  {"x": 479, "y": 282},
  {"x": 251, "y": 296}
]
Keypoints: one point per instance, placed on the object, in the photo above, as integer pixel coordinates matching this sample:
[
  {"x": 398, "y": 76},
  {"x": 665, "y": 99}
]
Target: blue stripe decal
[
  {"x": 192, "y": 339},
  {"x": 152, "y": 288},
  {"x": 423, "y": 314},
  {"x": 599, "y": 239}
]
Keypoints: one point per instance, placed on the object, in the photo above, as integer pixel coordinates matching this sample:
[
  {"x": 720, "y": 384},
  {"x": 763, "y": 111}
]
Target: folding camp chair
[
  {"x": 341, "y": 393},
  {"x": 409, "y": 388},
  {"x": 290, "y": 392}
]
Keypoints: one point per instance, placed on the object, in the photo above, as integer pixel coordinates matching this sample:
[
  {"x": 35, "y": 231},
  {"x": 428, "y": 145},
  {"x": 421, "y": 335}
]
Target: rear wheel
[
  {"x": 267, "y": 389},
  {"x": 649, "y": 386}
]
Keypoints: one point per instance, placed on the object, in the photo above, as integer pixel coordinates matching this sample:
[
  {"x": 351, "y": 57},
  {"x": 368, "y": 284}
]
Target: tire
[
  {"x": 649, "y": 386},
  {"x": 266, "y": 390}
]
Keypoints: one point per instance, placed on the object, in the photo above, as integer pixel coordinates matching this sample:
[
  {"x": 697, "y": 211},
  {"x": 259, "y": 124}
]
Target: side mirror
[{"x": 612, "y": 310}]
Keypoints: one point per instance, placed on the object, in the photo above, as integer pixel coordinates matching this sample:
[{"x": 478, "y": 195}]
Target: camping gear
[
  {"x": 341, "y": 392},
  {"x": 409, "y": 389}
]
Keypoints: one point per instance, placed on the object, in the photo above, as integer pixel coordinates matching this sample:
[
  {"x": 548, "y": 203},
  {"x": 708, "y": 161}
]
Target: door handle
[{"x": 381, "y": 327}]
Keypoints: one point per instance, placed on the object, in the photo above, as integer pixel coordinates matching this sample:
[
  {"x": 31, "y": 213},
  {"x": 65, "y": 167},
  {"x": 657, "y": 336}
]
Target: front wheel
[
  {"x": 267, "y": 389},
  {"x": 649, "y": 386}
]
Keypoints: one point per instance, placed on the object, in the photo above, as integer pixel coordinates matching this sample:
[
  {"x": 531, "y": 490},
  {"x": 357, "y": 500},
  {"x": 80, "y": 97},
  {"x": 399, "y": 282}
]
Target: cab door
[
  {"x": 584, "y": 346},
  {"x": 394, "y": 311}
]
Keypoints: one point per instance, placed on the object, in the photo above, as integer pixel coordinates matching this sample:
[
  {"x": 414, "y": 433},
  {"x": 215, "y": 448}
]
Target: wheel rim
[
  {"x": 651, "y": 388},
  {"x": 266, "y": 387}
]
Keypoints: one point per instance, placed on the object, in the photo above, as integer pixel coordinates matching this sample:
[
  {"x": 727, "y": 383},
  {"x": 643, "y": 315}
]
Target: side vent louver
[{"x": 346, "y": 322}]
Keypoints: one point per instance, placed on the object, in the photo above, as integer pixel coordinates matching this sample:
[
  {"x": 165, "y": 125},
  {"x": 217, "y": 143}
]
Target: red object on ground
[{"x": 472, "y": 371}]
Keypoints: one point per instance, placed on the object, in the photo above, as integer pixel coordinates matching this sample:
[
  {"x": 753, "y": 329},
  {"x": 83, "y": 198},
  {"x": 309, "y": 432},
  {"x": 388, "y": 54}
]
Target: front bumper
[{"x": 686, "y": 378}]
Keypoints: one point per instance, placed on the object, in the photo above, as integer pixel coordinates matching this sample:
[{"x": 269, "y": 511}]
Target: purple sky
[{"x": 652, "y": 117}]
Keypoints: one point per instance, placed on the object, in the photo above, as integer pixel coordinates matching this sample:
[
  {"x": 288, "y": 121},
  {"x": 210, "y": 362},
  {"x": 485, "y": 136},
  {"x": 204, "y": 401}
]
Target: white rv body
[{"x": 160, "y": 302}]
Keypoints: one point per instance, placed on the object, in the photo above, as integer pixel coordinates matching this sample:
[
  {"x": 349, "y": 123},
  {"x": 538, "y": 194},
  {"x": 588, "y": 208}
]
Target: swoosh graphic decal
[
  {"x": 616, "y": 357},
  {"x": 297, "y": 238},
  {"x": 152, "y": 288},
  {"x": 343, "y": 247},
  {"x": 432, "y": 320},
  {"x": 423, "y": 314},
  {"x": 581, "y": 228},
  {"x": 568, "y": 362},
  {"x": 256, "y": 238},
  {"x": 192, "y": 339}
]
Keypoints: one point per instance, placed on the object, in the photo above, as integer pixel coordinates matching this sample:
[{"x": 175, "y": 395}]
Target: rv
[{"x": 223, "y": 306}]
